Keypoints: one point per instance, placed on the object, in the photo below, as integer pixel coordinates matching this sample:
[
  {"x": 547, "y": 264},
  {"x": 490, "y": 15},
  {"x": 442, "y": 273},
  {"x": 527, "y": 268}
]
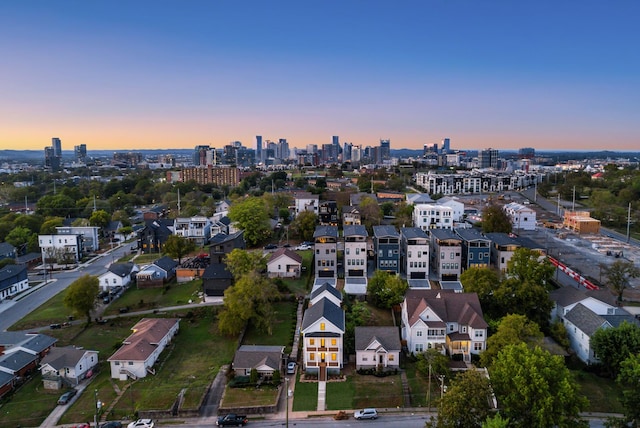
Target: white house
[
  {"x": 284, "y": 263},
  {"x": 457, "y": 207},
  {"x": 197, "y": 229},
  {"x": 377, "y": 348},
  {"x": 443, "y": 320},
  {"x": 326, "y": 246},
  {"x": 306, "y": 201},
  {"x": 61, "y": 249},
  {"x": 67, "y": 365},
  {"x": 414, "y": 249},
  {"x": 323, "y": 326},
  {"x": 522, "y": 217},
  {"x": 13, "y": 280},
  {"x": 90, "y": 235},
  {"x": 325, "y": 291},
  {"x": 355, "y": 259},
  {"x": 432, "y": 216},
  {"x": 140, "y": 351},
  {"x": 118, "y": 275}
]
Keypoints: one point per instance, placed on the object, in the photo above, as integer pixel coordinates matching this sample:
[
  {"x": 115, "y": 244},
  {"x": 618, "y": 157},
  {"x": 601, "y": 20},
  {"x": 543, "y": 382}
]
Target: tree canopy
[
  {"x": 251, "y": 216},
  {"x": 614, "y": 345},
  {"x": 386, "y": 289},
  {"x": 304, "y": 225},
  {"x": 513, "y": 329},
  {"x": 81, "y": 294},
  {"x": 619, "y": 274},
  {"x": 242, "y": 262},
  {"x": 629, "y": 380},
  {"x": 178, "y": 246},
  {"x": 535, "y": 388},
  {"x": 494, "y": 219}
]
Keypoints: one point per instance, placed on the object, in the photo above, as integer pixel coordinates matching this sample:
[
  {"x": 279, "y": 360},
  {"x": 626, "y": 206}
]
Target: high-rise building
[
  {"x": 446, "y": 146},
  {"x": 53, "y": 155},
  {"x": 57, "y": 146},
  {"x": 385, "y": 150},
  {"x": 346, "y": 152},
  {"x": 527, "y": 153},
  {"x": 258, "y": 148},
  {"x": 200, "y": 155},
  {"x": 80, "y": 152},
  {"x": 488, "y": 158}
]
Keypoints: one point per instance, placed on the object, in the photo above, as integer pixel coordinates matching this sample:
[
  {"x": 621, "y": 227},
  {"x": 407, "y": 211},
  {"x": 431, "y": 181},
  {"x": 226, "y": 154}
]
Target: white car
[
  {"x": 291, "y": 368},
  {"x": 303, "y": 247},
  {"x": 141, "y": 423},
  {"x": 366, "y": 414}
]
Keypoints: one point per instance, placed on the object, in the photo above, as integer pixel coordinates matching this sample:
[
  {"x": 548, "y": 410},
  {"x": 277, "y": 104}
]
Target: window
[
  {"x": 312, "y": 356},
  {"x": 391, "y": 357},
  {"x": 470, "y": 256},
  {"x": 477, "y": 346},
  {"x": 346, "y": 251},
  {"x": 334, "y": 356},
  {"x": 479, "y": 333},
  {"x": 451, "y": 256},
  {"x": 419, "y": 333},
  {"x": 117, "y": 363},
  {"x": 279, "y": 267},
  {"x": 322, "y": 326},
  {"x": 442, "y": 255},
  {"x": 312, "y": 342},
  {"x": 334, "y": 342},
  {"x": 322, "y": 342},
  {"x": 130, "y": 363},
  {"x": 419, "y": 347}
]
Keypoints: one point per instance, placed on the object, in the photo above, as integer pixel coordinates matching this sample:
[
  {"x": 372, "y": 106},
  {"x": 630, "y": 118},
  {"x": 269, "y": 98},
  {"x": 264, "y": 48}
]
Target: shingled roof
[
  {"x": 463, "y": 308},
  {"x": 326, "y": 309},
  {"x": 254, "y": 356},
  {"x": 59, "y": 358},
  {"x": 387, "y": 337},
  {"x": 147, "y": 333}
]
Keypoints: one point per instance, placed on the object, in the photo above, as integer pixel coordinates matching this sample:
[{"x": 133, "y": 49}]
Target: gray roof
[
  {"x": 12, "y": 338},
  {"x": 349, "y": 209},
  {"x": 253, "y": 356},
  {"x": 326, "y": 231},
  {"x": 6, "y": 248},
  {"x": 39, "y": 342},
  {"x": 501, "y": 238},
  {"x": 619, "y": 317},
  {"x": 585, "y": 319},
  {"x": 528, "y": 243},
  {"x": 166, "y": 263},
  {"x": 11, "y": 271},
  {"x": 14, "y": 361},
  {"x": 326, "y": 287},
  {"x": 326, "y": 309},
  {"x": 471, "y": 235},
  {"x": 444, "y": 234},
  {"x": 29, "y": 257},
  {"x": 5, "y": 378},
  {"x": 451, "y": 285},
  {"x": 217, "y": 271},
  {"x": 381, "y": 231},
  {"x": 413, "y": 233},
  {"x": 419, "y": 198},
  {"x": 419, "y": 283},
  {"x": 121, "y": 269},
  {"x": 565, "y": 296},
  {"x": 59, "y": 358},
  {"x": 355, "y": 230},
  {"x": 388, "y": 337},
  {"x": 355, "y": 285}
]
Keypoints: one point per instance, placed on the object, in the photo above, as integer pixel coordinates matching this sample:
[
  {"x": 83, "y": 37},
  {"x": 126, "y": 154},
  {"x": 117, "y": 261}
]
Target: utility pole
[
  {"x": 629, "y": 223},
  {"x": 286, "y": 391},
  {"x": 573, "y": 204},
  {"x": 429, "y": 390},
  {"x": 178, "y": 201}
]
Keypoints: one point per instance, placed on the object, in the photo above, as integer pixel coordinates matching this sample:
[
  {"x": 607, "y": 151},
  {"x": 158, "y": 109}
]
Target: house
[
  {"x": 7, "y": 382},
  {"x": 377, "y": 348},
  {"x": 140, "y": 351},
  {"x": 356, "y": 198},
  {"x": 34, "y": 343},
  {"x": 154, "y": 234},
  {"x": 216, "y": 279},
  {"x": 476, "y": 248},
  {"x": 61, "y": 249},
  {"x": 264, "y": 359},
  {"x": 418, "y": 198},
  {"x": 196, "y": 229},
  {"x": 351, "y": 216},
  {"x": 223, "y": 206},
  {"x": 7, "y": 251},
  {"x": 118, "y": 275},
  {"x": 156, "y": 212},
  {"x": 579, "y": 222},
  {"x": 284, "y": 263},
  {"x": 326, "y": 245},
  {"x": 443, "y": 320},
  {"x": 326, "y": 291},
  {"x": 90, "y": 236},
  {"x": 414, "y": 252},
  {"x": 386, "y": 244},
  {"x": 522, "y": 217},
  {"x": 502, "y": 248},
  {"x": 19, "y": 363},
  {"x": 222, "y": 244},
  {"x": 305, "y": 201},
  {"x": 13, "y": 280},
  {"x": 446, "y": 254},
  {"x": 457, "y": 207},
  {"x": 157, "y": 273},
  {"x": 355, "y": 259},
  {"x": 323, "y": 327},
  {"x": 328, "y": 213},
  {"x": 432, "y": 216},
  {"x": 112, "y": 231},
  {"x": 67, "y": 366}
]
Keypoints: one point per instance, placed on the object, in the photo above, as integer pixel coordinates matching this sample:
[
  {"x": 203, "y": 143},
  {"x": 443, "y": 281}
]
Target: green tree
[
  {"x": 81, "y": 295},
  {"x": 529, "y": 266},
  {"x": 495, "y": 421},
  {"x": 467, "y": 402},
  {"x": 50, "y": 224},
  {"x": 619, "y": 274},
  {"x": 242, "y": 262},
  {"x": 385, "y": 289},
  {"x": 494, "y": 219},
  {"x": 439, "y": 363},
  {"x": 356, "y": 314},
  {"x": 304, "y": 225},
  {"x": 100, "y": 218},
  {"x": 19, "y": 236},
  {"x": 248, "y": 300},
  {"x": 370, "y": 211},
  {"x": 251, "y": 216},
  {"x": 614, "y": 345},
  {"x": 513, "y": 329},
  {"x": 525, "y": 298},
  {"x": 535, "y": 388},
  {"x": 483, "y": 281},
  {"x": 629, "y": 380},
  {"x": 177, "y": 247}
]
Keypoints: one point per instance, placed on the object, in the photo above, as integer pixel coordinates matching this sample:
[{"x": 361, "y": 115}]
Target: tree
[
  {"x": 385, "y": 289},
  {"x": 100, "y": 218},
  {"x": 304, "y": 225},
  {"x": 50, "y": 224},
  {"x": 619, "y": 274},
  {"x": 251, "y": 216},
  {"x": 432, "y": 357},
  {"x": 177, "y": 247},
  {"x": 629, "y": 380},
  {"x": 525, "y": 298},
  {"x": 482, "y": 281},
  {"x": 370, "y": 212},
  {"x": 614, "y": 345},
  {"x": 248, "y": 300},
  {"x": 81, "y": 295},
  {"x": 536, "y": 389},
  {"x": 494, "y": 219},
  {"x": 356, "y": 314},
  {"x": 467, "y": 401},
  {"x": 496, "y": 421},
  {"x": 19, "y": 236},
  {"x": 242, "y": 262},
  {"x": 529, "y": 266},
  {"x": 513, "y": 329}
]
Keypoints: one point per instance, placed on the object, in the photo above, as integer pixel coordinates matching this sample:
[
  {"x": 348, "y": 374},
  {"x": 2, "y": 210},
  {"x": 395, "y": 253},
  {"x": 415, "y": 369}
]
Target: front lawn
[
  {"x": 361, "y": 391},
  {"x": 305, "y": 396},
  {"x": 283, "y": 327},
  {"x": 250, "y": 396},
  {"x": 603, "y": 393},
  {"x": 52, "y": 311}
]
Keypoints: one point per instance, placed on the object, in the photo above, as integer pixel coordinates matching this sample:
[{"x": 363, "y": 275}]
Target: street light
[
  {"x": 98, "y": 407},
  {"x": 441, "y": 377}
]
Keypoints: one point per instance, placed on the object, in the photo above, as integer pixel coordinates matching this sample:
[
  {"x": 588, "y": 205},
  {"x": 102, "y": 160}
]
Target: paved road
[{"x": 14, "y": 310}]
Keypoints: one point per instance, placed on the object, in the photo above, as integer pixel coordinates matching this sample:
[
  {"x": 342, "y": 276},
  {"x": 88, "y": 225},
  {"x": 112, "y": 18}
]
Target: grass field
[
  {"x": 603, "y": 394},
  {"x": 364, "y": 391},
  {"x": 305, "y": 397},
  {"x": 283, "y": 328},
  {"x": 52, "y": 311},
  {"x": 172, "y": 294},
  {"x": 243, "y": 397}
]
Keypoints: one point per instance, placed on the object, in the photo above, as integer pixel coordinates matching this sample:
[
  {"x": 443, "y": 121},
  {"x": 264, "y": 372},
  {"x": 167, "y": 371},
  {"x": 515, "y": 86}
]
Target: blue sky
[{"x": 502, "y": 74}]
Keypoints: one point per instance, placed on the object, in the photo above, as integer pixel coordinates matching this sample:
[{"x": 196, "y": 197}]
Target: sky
[{"x": 128, "y": 75}]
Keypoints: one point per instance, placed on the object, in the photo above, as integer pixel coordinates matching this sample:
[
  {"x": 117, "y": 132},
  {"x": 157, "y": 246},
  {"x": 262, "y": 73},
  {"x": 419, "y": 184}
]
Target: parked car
[
  {"x": 291, "y": 368},
  {"x": 124, "y": 310},
  {"x": 232, "y": 420},
  {"x": 302, "y": 247},
  {"x": 55, "y": 326},
  {"x": 366, "y": 414},
  {"x": 67, "y": 396},
  {"x": 114, "y": 424},
  {"x": 270, "y": 247},
  {"x": 141, "y": 423}
]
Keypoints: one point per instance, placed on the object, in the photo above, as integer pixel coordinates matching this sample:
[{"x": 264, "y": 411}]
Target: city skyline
[{"x": 160, "y": 75}]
